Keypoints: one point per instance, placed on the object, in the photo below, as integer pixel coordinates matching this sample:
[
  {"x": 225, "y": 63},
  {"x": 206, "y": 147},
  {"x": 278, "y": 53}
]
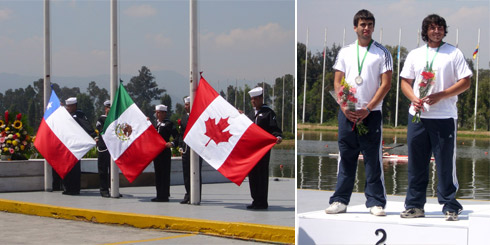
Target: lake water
[
  {"x": 284, "y": 158},
  {"x": 318, "y": 170}
]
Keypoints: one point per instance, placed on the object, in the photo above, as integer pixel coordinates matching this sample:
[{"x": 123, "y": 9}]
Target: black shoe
[
  {"x": 159, "y": 200},
  {"x": 185, "y": 201},
  {"x": 251, "y": 206},
  {"x": 71, "y": 193},
  {"x": 255, "y": 207},
  {"x": 105, "y": 194}
]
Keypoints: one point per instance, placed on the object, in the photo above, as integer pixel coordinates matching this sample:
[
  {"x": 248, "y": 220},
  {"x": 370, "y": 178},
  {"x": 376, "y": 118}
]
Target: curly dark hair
[
  {"x": 365, "y": 15},
  {"x": 429, "y": 20}
]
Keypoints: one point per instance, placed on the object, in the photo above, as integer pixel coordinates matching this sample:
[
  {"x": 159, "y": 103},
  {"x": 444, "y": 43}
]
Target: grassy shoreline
[
  {"x": 399, "y": 130},
  {"x": 285, "y": 144}
]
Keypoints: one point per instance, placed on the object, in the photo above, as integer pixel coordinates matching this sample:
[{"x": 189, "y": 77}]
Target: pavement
[{"x": 222, "y": 211}]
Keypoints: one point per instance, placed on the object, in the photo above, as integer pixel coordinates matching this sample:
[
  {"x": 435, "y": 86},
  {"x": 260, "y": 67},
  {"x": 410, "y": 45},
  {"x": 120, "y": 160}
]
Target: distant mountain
[
  {"x": 13, "y": 81},
  {"x": 175, "y": 84}
]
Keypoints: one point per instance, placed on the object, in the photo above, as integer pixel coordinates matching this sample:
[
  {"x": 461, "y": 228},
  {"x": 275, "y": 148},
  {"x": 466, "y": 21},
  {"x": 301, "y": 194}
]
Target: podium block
[{"x": 358, "y": 226}]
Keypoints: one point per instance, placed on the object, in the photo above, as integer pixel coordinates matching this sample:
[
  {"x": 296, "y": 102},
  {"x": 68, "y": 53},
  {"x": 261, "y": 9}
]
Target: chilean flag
[
  {"x": 228, "y": 140},
  {"x": 60, "y": 139}
]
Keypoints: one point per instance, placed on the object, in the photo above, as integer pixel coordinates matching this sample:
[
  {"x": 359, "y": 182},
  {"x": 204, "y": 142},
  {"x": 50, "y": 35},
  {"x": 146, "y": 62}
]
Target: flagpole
[
  {"x": 244, "y": 98},
  {"x": 398, "y": 78},
  {"x": 306, "y": 71},
  {"x": 263, "y": 89},
  {"x": 457, "y": 37},
  {"x": 273, "y": 96},
  {"x": 236, "y": 90},
  {"x": 282, "y": 111},
  {"x": 381, "y": 35},
  {"x": 293, "y": 105},
  {"x": 418, "y": 38},
  {"x": 227, "y": 94},
  {"x": 195, "y": 170},
  {"x": 343, "y": 39},
  {"x": 476, "y": 85},
  {"x": 113, "y": 87},
  {"x": 48, "y": 171},
  {"x": 323, "y": 77}
]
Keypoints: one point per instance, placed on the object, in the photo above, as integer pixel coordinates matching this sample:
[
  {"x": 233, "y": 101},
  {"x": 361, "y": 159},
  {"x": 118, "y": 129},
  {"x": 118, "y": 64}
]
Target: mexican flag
[
  {"x": 130, "y": 138},
  {"x": 228, "y": 140}
]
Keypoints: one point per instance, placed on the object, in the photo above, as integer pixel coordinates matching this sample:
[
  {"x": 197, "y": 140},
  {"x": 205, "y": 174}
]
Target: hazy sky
[
  {"x": 251, "y": 40},
  {"x": 335, "y": 15}
]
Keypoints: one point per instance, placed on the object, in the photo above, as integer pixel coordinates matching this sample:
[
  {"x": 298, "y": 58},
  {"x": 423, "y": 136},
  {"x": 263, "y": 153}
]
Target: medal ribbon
[
  {"x": 359, "y": 66},
  {"x": 429, "y": 68}
]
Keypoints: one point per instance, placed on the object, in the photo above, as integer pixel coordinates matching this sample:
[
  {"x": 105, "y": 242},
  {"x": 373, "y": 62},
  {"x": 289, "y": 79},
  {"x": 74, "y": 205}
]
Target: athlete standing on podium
[
  {"x": 440, "y": 73},
  {"x": 367, "y": 67}
]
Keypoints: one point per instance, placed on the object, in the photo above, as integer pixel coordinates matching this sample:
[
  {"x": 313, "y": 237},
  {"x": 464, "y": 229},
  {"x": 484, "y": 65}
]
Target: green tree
[
  {"x": 483, "y": 111},
  {"x": 85, "y": 104},
  {"x": 314, "y": 83},
  {"x": 98, "y": 96},
  {"x": 285, "y": 123},
  {"x": 389, "y": 102},
  {"x": 166, "y": 100},
  {"x": 230, "y": 92},
  {"x": 243, "y": 100},
  {"x": 179, "y": 112},
  {"x": 223, "y": 94},
  {"x": 66, "y": 93},
  {"x": 143, "y": 89}
]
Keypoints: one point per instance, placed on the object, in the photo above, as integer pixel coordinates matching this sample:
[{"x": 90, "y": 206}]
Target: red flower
[
  {"x": 7, "y": 117},
  {"x": 178, "y": 122},
  {"x": 19, "y": 116},
  {"x": 427, "y": 75},
  {"x": 422, "y": 84},
  {"x": 353, "y": 99}
]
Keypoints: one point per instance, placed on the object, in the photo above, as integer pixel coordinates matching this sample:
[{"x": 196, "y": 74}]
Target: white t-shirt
[
  {"x": 449, "y": 66},
  {"x": 377, "y": 62}
]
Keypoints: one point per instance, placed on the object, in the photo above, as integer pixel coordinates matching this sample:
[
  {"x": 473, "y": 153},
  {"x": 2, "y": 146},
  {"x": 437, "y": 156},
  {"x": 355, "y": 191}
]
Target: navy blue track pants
[
  {"x": 438, "y": 137},
  {"x": 350, "y": 145}
]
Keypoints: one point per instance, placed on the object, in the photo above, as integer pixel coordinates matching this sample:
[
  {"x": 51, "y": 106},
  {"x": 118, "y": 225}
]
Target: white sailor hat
[
  {"x": 107, "y": 103},
  {"x": 187, "y": 100},
  {"x": 255, "y": 92},
  {"x": 71, "y": 101},
  {"x": 160, "y": 108}
]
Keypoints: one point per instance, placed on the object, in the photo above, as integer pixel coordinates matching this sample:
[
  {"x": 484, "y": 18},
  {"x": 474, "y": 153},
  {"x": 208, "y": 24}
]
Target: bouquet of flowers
[
  {"x": 346, "y": 98},
  {"x": 425, "y": 85},
  {"x": 14, "y": 138}
]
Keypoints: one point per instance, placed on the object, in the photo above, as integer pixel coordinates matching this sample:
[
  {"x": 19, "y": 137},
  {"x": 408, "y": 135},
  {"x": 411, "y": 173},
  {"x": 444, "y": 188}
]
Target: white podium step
[{"x": 357, "y": 226}]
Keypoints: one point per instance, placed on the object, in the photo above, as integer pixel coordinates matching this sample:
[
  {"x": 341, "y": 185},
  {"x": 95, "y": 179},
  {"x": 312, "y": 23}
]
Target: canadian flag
[{"x": 229, "y": 141}]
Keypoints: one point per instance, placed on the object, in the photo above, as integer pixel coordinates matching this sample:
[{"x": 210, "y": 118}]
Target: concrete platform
[
  {"x": 28, "y": 175},
  {"x": 222, "y": 211},
  {"x": 357, "y": 226}
]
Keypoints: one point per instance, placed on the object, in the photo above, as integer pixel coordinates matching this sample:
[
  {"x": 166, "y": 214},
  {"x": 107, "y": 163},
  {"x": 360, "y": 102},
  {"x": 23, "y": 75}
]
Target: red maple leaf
[{"x": 215, "y": 131}]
